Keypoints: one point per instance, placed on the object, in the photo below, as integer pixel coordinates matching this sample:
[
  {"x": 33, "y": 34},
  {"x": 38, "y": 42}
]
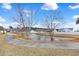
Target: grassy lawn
[{"x": 12, "y": 50}]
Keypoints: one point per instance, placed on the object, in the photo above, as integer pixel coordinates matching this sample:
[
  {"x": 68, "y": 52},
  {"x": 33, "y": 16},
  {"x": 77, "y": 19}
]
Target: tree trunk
[
  {"x": 52, "y": 38},
  {"x": 52, "y": 34}
]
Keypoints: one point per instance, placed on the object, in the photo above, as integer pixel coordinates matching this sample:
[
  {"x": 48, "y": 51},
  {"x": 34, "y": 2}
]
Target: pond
[
  {"x": 11, "y": 40},
  {"x": 45, "y": 38}
]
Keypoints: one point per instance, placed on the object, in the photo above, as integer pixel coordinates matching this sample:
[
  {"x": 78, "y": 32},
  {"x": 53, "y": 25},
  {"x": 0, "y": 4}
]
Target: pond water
[
  {"x": 45, "y": 38},
  {"x": 11, "y": 40}
]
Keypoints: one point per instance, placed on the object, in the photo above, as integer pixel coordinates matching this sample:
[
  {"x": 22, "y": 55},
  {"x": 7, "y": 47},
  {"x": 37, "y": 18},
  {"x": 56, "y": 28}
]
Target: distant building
[
  {"x": 34, "y": 29},
  {"x": 65, "y": 30}
]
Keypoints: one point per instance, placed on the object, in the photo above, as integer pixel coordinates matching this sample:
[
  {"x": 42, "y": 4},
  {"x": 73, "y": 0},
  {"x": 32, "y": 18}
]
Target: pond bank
[{"x": 11, "y": 40}]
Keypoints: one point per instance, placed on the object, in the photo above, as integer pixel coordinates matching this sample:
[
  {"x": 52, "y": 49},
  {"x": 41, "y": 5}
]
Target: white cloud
[
  {"x": 5, "y": 25},
  {"x": 27, "y": 12},
  {"x": 2, "y": 19},
  {"x": 43, "y": 25},
  {"x": 14, "y": 24},
  {"x": 56, "y": 22},
  {"x": 40, "y": 26},
  {"x": 3, "y": 22},
  {"x": 70, "y": 25},
  {"x": 76, "y": 26},
  {"x": 50, "y": 6},
  {"x": 74, "y": 7},
  {"x": 75, "y": 17},
  {"x": 6, "y": 6}
]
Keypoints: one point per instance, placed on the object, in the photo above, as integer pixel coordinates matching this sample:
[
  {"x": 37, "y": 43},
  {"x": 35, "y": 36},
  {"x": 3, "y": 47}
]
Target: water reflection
[
  {"x": 45, "y": 38},
  {"x": 11, "y": 40}
]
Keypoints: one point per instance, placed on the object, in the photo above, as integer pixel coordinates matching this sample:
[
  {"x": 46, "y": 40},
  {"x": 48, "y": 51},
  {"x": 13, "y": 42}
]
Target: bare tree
[
  {"x": 25, "y": 17},
  {"x": 2, "y": 29},
  {"x": 52, "y": 21},
  {"x": 11, "y": 28},
  {"x": 32, "y": 18},
  {"x": 19, "y": 16}
]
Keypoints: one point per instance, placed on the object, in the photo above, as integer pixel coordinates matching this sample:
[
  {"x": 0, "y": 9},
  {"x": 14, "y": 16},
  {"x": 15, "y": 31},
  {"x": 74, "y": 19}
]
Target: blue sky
[{"x": 69, "y": 12}]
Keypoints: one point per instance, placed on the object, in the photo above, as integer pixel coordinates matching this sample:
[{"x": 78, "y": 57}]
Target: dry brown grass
[
  {"x": 50, "y": 35},
  {"x": 12, "y": 50},
  {"x": 21, "y": 38},
  {"x": 50, "y": 42},
  {"x": 60, "y": 35}
]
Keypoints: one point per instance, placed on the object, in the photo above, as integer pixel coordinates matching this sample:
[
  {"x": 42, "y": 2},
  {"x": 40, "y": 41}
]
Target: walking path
[{"x": 11, "y": 40}]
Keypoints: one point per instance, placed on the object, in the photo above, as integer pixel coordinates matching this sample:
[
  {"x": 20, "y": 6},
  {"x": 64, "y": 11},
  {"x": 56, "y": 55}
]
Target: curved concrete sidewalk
[{"x": 11, "y": 40}]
